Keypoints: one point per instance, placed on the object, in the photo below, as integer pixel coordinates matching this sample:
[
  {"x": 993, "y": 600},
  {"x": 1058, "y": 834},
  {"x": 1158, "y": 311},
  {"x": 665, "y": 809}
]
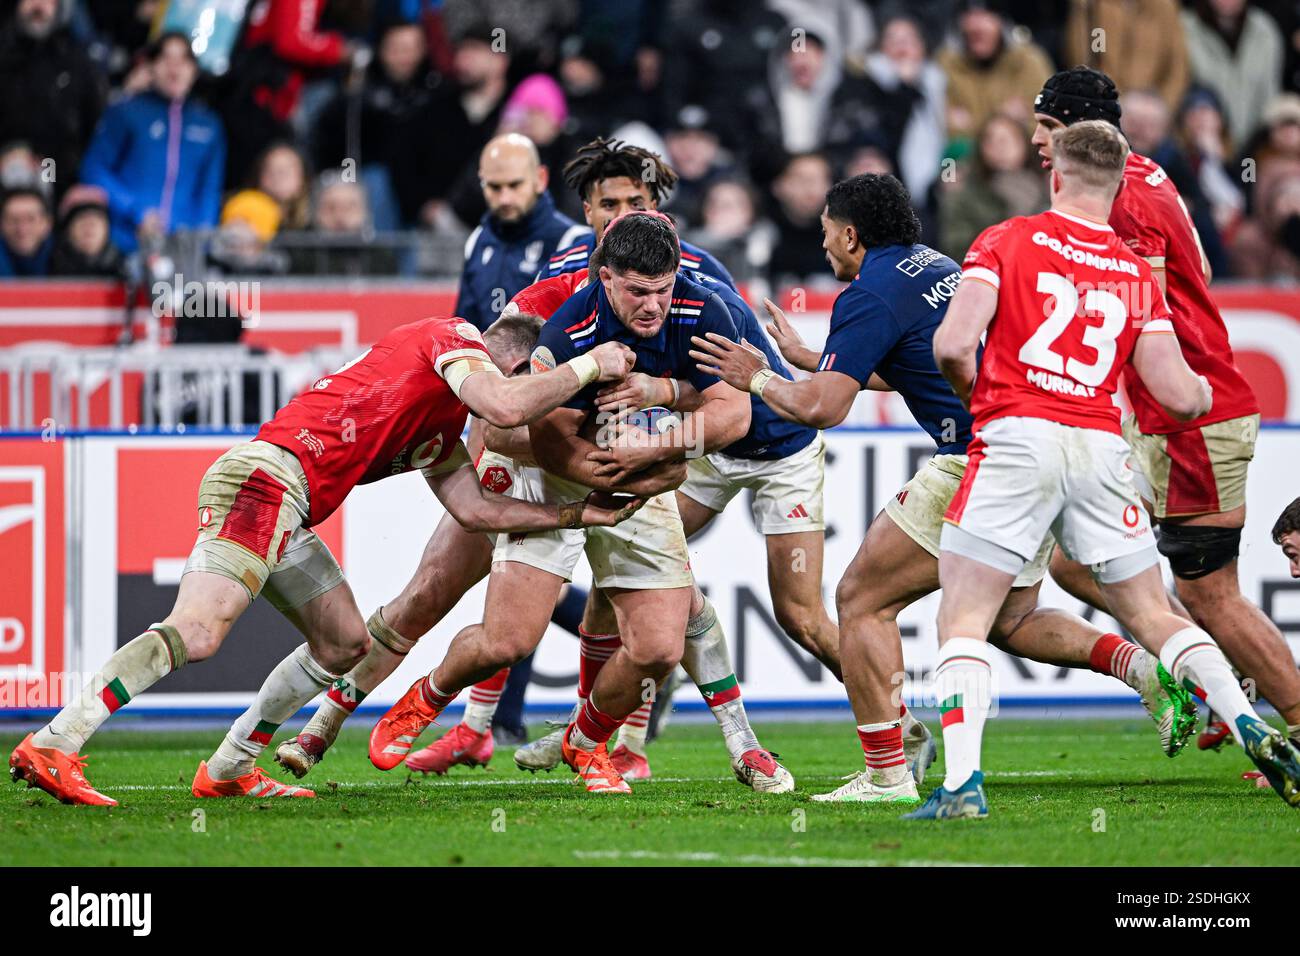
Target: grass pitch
[{"x": 1064, "y": 792}]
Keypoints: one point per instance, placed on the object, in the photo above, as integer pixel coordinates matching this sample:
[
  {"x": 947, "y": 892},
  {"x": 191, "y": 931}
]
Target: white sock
[
  {"x": 134, "y": 668},
  {"x": 633, "y": 732},
  {"x": 347, "y": 693},
  {"x": 295, "y": 681},
  {"x": 482, "y": 705},
  {"x": 1191, "y": 655},
  {"x": 963, "y": 686},
  {"x": 706, "y": 659}
]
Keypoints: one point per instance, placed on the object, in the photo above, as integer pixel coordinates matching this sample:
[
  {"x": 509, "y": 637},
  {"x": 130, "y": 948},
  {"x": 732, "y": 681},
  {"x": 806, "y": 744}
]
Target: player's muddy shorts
[
  {"x": 1197, "y": 471},
  {"x": 252, "y": 503},
  {"x": 1029, "y": 476},
  {"x": 919, "y": 508},
  {"x": 646, "y": 552},
  {"x": 787, "y": 491},
  {"x": 505, "y": 476}
]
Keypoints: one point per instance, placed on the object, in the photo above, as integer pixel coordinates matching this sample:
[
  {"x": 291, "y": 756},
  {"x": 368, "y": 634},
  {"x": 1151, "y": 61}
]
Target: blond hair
[{"x": 1090, "y": 154}]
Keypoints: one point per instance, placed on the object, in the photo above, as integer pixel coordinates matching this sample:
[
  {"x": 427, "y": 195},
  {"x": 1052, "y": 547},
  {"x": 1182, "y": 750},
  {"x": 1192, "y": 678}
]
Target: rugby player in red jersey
[
  {"x": 1193, "y": 473},
  {"x": 454, "y": 560},
  {"x": 1066, "y": 306},
  {"x": 398, "y": 407}
]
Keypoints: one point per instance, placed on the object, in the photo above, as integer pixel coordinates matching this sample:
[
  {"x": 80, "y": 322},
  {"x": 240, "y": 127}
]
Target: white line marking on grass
[
  {"x": 755, "y": 859},
  {"x": 565, "y": 781}
]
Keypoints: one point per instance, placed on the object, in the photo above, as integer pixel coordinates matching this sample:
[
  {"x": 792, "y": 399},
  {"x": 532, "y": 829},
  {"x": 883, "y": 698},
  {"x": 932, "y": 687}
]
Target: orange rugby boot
[
  {"x": 397, "y": 730},
  {"x": 62, "y": 776},
  {"x": 257, "y": 783},
  {"x": 598, "y": 775}
]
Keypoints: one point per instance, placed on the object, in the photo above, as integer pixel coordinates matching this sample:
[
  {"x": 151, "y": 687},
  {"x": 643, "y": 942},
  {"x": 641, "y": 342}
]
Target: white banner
[{"x": 385, "y": 527}]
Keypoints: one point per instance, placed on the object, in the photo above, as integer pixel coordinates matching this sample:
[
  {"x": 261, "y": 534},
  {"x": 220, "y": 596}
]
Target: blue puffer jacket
[{"x": 150, "y": 153}]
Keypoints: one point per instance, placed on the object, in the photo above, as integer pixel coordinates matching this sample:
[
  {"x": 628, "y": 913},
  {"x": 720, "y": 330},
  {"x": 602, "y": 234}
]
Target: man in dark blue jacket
[
  {"x": 518, "y": 233},
  {"x": 159, "y": 155}
]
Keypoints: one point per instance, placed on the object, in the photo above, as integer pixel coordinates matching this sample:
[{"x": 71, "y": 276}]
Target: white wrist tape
[
  {"x": 677, "y": 392},
  {"x": 760, "y": 380},
  {"x": 586, "y": 368}
]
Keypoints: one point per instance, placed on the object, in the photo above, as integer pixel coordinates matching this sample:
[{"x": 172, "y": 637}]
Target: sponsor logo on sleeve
[{"x": 542, "y": 360}]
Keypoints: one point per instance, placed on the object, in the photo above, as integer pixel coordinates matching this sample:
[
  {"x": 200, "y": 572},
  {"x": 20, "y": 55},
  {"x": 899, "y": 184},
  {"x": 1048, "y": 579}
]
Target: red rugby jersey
[
  {"x": 1151, "y": 219},
  {"x": 545, "y": 297},
  {"x": 384, "y": 413},
  {"x": 1072, "y": 301}
]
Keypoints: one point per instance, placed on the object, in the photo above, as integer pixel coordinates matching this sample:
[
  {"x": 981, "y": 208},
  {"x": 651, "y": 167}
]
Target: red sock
[
  {"x": 488, "y": 691},
  {"x": 596, "y": 725},
  {"x": 902, "y": 709},
  {"x": 431, "y": 696},
  {"x": 883, "y": 748},
  {"x": 596, "y": 650},
  {"x": 640, "y": 717},
  {"x": 1112, "y": 655}
]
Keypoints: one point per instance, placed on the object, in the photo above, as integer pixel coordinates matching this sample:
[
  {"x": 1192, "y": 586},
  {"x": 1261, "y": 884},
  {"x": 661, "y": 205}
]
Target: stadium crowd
[{"x": 310, "y": 133}]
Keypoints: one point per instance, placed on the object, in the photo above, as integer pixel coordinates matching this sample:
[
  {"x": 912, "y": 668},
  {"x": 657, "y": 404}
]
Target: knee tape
[
  {"x": 385, "y": 635},
  {"x": 1196, "y": 550},
  {"x": 175, "y": 646}
]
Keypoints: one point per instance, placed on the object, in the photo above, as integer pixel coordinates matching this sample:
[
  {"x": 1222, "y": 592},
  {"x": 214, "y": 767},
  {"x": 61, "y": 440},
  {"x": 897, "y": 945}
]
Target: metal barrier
[{"x": 153, "y": 387}]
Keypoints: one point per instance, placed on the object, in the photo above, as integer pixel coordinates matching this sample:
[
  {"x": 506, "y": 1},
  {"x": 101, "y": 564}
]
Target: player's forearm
[
  {"x": 801, "y": 357},
  {"x": 567, "y": 458},
  {"x": 510, "y": 515},
  {"x": 512, "y": 402},
  {"x": 513, "y": 443},
  {"x": 801, "y": 402},
  {"x": 1184, "y": 395},
  {"x": 720, "y": 422},
  {"x": 713, "y": 426},
  {"x": 688, "y": 398},
  {"x": 654, "y": 480},
  {"x": 960, "y": 374}
]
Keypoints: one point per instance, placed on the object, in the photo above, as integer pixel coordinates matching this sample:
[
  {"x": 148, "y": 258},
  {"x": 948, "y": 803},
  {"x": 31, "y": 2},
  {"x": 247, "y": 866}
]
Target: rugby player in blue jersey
[
  {"x": 881, "y": 332},
  {"x": 613, "y": 179},
  {"x": 644, "y": 302},
  {"x": 783, "y": 464}
]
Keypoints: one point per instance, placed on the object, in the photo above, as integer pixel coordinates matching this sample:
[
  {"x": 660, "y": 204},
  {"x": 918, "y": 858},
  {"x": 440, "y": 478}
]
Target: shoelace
[
  {"x": 600, "y": 760},
  {"x": 78, "y": 768}
]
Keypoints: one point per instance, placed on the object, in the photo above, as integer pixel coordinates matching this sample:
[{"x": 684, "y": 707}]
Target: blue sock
[
  {"x": 568, "y": 612},
  {"x": 510, "y": 709}
]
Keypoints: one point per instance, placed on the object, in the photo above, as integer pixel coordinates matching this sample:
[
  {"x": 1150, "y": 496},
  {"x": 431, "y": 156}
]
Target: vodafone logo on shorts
[
  {"x": 205, "y": 517},
  {"x": 1132, "y": 519}
]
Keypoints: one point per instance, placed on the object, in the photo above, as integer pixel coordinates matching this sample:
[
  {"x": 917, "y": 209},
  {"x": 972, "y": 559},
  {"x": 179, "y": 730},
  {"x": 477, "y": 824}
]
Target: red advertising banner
[
  {"x": 292, "y": 318},
  {"x": 32, "y": 559}
]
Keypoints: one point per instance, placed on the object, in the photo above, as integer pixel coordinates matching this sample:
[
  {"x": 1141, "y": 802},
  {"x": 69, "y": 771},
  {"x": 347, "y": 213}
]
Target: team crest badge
[{"x": 497, "y": 479}]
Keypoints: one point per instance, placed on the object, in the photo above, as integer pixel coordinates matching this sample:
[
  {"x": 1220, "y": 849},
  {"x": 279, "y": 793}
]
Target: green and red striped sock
[
  {"x": 134, "y": 668},
  {"x": 114, "y": 695},
  {"x": 963, "y": 685}
]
